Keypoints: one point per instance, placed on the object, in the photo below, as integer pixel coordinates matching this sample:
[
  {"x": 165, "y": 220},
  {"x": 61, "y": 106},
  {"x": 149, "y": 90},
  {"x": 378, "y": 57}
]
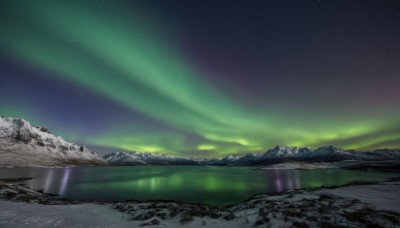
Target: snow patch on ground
[
  {"x": 374, "y": 205},
  {"x": 383, "y": 196},
  {"x": 14, "y": 214}
]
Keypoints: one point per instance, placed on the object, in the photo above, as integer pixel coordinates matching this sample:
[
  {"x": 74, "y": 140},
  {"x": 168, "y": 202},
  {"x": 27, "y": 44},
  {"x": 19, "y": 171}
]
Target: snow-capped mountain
[
  {"x": 284, "y": 152},
  {"x": 228, "y": 160},
  {"x": 139, "y": 158},
  {"x": 275, "y": 155},
  {"x": 248, "y": 158},
  {"x": 234, "y": 160},
  {"x": 24, "y": 145},
  {"x": 323, "y": 154}
]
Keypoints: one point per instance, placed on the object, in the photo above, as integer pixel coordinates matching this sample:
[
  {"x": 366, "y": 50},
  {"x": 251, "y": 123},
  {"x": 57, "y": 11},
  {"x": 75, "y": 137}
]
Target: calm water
[{"x": 212, "y": 185}]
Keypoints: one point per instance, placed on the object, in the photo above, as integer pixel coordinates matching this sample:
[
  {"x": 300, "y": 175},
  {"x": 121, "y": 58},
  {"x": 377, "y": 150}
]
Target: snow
[
  {"x": 329, "y": 153},
  {"x": 17, "y": 214},
  {"x": 350, "y": 206},
  {"x": 383, "y": 196},
  {"x": 13, "y": 214},
  {"x": 282, "y": 152},
  {"x": 145, "y": 158},
  {"x": 22, "y": 145},
  {"x": 293, "y": 158}
]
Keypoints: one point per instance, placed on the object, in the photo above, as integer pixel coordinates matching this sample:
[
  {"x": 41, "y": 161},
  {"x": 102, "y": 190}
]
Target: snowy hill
[
  {"x": 24, "y": 145},
  {"x": 139, "y": 158}
]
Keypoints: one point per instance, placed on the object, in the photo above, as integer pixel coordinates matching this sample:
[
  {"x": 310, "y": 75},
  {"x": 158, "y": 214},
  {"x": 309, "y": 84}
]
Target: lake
[{"x": 196, "y": 184}]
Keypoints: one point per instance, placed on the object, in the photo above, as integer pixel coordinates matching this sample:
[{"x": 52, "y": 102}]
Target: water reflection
[
  {"x": 284, "y": 179},
  {"x": 64, "y": 181},
  {"x": 48, "y": 180},
  {"x": 213, "y": 185}
]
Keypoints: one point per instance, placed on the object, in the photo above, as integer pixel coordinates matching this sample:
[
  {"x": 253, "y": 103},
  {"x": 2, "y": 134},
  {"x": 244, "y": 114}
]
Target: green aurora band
[{"x": 139, "y": 65}]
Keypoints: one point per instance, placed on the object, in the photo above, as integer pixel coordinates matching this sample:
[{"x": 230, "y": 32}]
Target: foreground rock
[
  {"x": 359, "y": 204},
  {"x": 24, "y": 145}
]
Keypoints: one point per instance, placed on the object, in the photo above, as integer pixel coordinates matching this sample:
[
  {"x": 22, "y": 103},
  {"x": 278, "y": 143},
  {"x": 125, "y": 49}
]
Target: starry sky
[{"x": 204, "y": 78}]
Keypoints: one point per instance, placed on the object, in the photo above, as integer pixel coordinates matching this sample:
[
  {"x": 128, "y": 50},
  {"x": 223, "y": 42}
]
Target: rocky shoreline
[{"x": 312, "y": 207}]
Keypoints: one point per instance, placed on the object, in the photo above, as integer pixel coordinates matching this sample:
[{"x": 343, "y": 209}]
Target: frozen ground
[
  {"x": 382, "y": 196},
  {"x": 374, "y": 205},
  {"x": 13, "y": 214}
]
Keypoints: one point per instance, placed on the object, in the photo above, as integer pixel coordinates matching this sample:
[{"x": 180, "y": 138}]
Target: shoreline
[
  {"x": 362, "y": 165},
  {"x": 344, "y": 205}
]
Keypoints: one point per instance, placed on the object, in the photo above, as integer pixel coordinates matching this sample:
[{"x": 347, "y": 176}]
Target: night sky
[{"x": 204, "y": 78}]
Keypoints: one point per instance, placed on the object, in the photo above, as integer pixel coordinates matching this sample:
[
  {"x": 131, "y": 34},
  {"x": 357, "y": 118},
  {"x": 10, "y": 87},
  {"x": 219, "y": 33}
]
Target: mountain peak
[
  {"x": 280, "y": 151},
  {"x": 329, "y": 149},
  {"x": 283, "y": 147}
]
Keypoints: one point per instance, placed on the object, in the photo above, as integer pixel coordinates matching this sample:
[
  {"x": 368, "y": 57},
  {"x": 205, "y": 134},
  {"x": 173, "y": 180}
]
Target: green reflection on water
[
  {"x": 200, "y": 184},
  {"x": 169, "y": 181}
]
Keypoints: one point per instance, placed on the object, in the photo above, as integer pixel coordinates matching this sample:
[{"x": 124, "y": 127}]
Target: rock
[
  {"x": 52, "y": 146},
  {"x": 63, "y": 147},
  {"x": 19, "y": 122},
  {"x": 230, "y": 216},
  {"x": 40, "y": 142},
  {"x": 23, "y": 136},
  {"x": 151, "y": 222},
  {"x": 35, "y": 136},
  {"x": 84, "y": 149},
  {"x": 43, "y": 129}
]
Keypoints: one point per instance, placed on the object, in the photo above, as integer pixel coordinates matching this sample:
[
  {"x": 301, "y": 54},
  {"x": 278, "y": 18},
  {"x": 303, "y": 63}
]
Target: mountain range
[
  {"x": 277, "y": 154},
  {"x": 139, "y": 158},
  {"x": 22, "y": 145}
]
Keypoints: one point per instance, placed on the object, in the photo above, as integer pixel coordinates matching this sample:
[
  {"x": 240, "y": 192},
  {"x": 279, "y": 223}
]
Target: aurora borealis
[{"x": 204, "y": 78}]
